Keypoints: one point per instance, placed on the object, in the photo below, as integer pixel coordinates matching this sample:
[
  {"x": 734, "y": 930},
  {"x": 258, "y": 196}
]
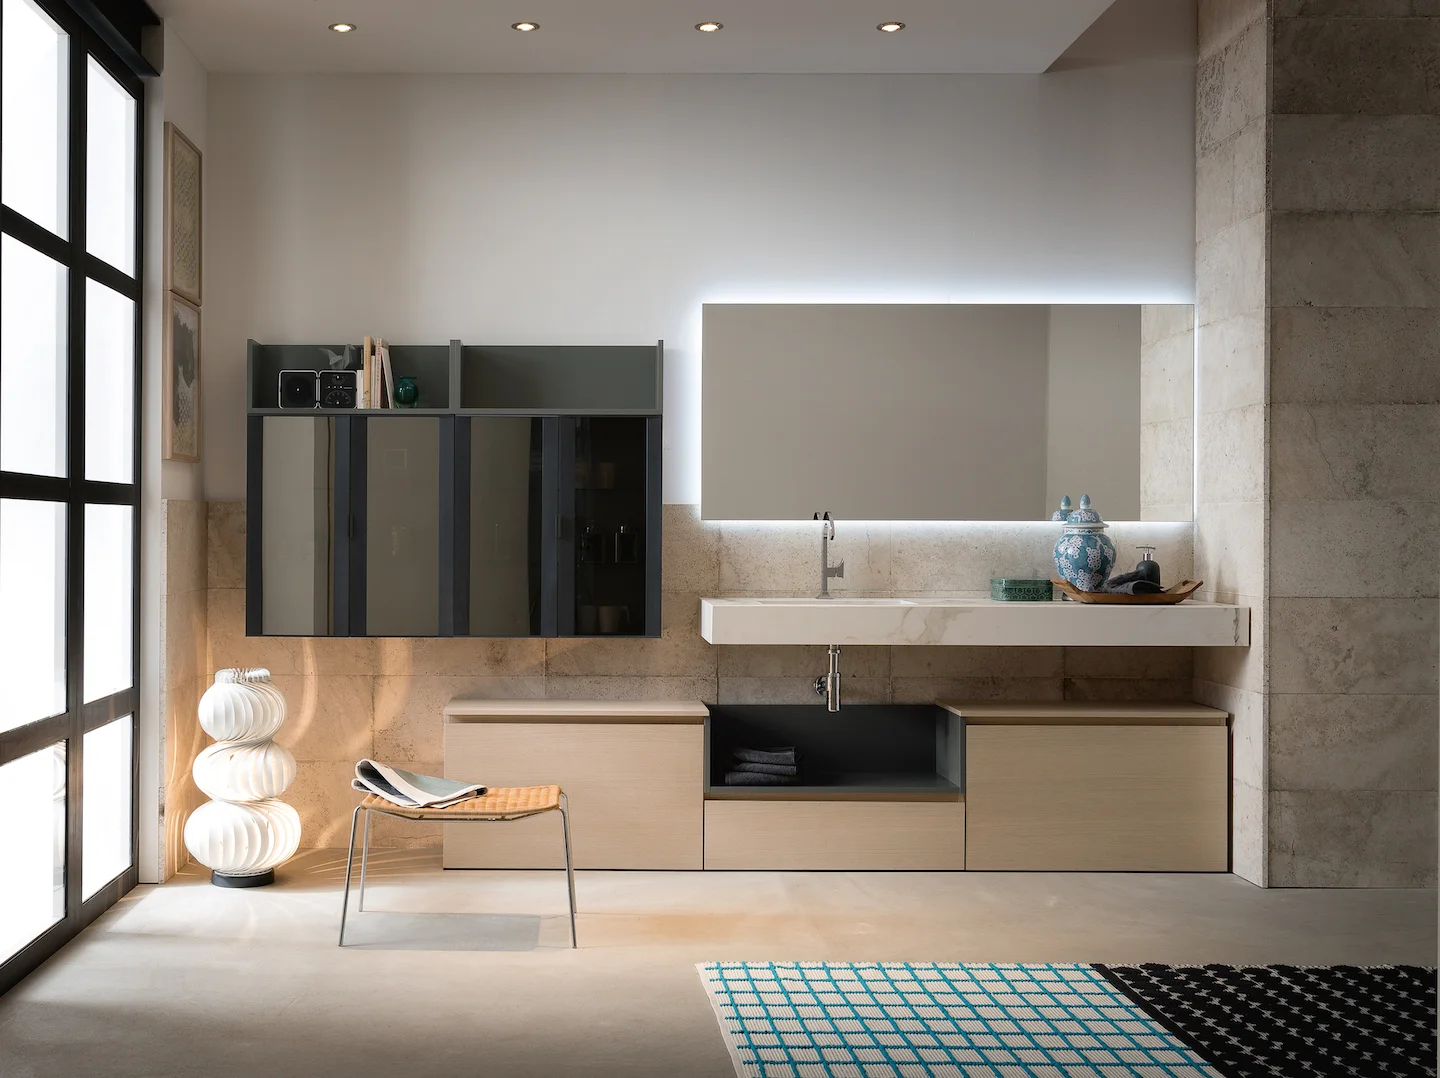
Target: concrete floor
[{"x": 189, "y": 979}]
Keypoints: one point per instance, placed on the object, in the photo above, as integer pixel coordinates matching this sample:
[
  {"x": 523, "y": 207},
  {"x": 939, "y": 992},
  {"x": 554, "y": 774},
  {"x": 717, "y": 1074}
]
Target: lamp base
[{"x": 260, "y": 879}]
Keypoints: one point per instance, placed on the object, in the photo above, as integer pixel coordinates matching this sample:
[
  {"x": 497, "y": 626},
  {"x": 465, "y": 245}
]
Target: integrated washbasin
[
  {"x": 926, "y": 620},
  {"x": 766, "y": 601},
  {"x": 841, "y": 602}
]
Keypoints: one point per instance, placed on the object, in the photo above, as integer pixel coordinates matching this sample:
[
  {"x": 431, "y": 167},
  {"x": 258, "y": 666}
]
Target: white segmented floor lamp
[{"x": 244, "y": 832}]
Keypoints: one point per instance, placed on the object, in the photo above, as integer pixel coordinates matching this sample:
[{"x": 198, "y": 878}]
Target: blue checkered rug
[{"x": 917, "y": 1020}]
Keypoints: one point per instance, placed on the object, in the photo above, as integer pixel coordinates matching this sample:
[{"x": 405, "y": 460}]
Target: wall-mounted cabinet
[{"x": 422, "y": 522}]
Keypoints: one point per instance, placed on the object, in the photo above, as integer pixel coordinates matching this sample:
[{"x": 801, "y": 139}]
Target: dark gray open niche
[
  {"x": 266, "y": 361},
  {"x": 579, "y": 380},
  {"x": 430, "y": 366},
  {"x": 565, "y": 379},
  {"x": 871, "y": 752},
  {"x": 433, "y": 366}
]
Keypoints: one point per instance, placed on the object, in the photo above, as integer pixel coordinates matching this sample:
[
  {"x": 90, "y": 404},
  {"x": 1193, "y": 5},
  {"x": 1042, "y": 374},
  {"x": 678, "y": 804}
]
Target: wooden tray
[{"x": 1175, "y": 593}]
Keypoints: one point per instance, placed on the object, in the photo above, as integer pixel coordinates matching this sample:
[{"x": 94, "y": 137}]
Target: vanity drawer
[
  {"x": 856, "y": 835},
  {"x": 1129, "y": 798},
  {"x": 634, "y": 790}
]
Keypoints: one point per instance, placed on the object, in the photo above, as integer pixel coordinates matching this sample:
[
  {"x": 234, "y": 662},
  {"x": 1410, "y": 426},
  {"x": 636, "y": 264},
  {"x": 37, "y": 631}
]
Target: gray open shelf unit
[
  {"x": 864, "y": 752},
  {"x": 476, "y": 379}
]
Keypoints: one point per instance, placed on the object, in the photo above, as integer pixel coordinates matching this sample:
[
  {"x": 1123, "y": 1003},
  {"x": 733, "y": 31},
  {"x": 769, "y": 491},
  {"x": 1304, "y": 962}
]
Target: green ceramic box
[{"x": 1019, "y": 589}]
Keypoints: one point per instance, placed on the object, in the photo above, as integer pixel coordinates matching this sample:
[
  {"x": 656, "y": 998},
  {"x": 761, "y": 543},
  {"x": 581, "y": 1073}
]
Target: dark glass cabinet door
[
  {"x": 402, "y": 523},
  {"x": 610, "y": 497},
  {"x": 294, "y": 556},
  {"x": 416, "y": 526},
  {"x": 506, "y": 507}
]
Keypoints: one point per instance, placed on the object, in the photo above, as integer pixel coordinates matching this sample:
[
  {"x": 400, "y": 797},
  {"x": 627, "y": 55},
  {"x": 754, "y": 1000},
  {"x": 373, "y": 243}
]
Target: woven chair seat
[{"x": 501, "y": 803}]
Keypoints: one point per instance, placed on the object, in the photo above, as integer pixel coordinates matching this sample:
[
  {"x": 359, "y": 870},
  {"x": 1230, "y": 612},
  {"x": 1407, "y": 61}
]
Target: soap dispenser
[{"x": 1148, "y": 567}]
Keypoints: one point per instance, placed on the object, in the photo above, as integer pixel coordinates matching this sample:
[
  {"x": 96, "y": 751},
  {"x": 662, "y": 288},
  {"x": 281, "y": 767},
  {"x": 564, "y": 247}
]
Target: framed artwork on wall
[
  {"x": 182, "y": 215},
  {"x": 182, "y": 380}
]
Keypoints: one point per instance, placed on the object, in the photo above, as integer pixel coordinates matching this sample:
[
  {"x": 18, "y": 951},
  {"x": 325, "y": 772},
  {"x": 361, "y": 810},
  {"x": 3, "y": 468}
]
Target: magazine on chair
[{"x": 410, "y": 790}]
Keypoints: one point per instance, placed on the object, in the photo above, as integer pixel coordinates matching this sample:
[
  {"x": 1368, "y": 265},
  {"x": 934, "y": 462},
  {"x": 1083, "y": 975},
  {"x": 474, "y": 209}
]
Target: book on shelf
[
  {"x": 367, "y": 363},
  {"x": 372, "y": 390},
  {"x": 377, "y": 374},
  {"x": 387, "y": 378}
]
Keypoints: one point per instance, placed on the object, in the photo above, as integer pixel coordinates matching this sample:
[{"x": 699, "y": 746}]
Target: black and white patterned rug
[{"x": 1293, "y": 1021}]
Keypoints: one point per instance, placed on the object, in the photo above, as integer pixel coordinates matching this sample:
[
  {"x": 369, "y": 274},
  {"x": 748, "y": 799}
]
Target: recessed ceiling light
[
  {"x": 342, "y": 27},
  {"x": 890, "y": 27},
  {"x": 709, "y": 27},
  {"x": 524, "y": 27}
]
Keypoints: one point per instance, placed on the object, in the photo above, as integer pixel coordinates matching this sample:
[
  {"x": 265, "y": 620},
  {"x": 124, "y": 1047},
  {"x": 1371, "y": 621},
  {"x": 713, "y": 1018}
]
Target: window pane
[
  {"x": 109, "y": 170},
  {"x": 32, "y": 846},
  {"x": 32, "y": 612},
  {"x": 36, "y": 55},
  {"x": 109, "y": 580},
  {"x": 109, "y": 384},
  {"x": 32, "y": 361},
  {"x": 105, "y": 822}
]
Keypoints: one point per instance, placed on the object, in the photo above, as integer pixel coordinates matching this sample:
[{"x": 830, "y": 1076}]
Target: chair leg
[
  {"x": 364, "y": 861},
  {"x": 349, "y": 862},
  {"x": 569, "y": 867}
]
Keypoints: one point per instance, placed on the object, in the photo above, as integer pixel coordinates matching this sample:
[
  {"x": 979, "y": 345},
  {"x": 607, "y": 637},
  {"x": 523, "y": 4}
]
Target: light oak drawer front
[
  {"x": 1116, "y": 798},
  {"x": 858, "y": 835},
  {"x": 634, "y": 790}
]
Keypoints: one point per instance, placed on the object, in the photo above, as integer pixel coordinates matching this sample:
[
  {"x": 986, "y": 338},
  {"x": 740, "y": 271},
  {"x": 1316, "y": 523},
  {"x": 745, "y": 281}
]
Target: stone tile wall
[
  {"x": 353, "y": 698},
  {"x": 1318, "y": 282},
  {"x": 1167, "y": 411},
  {"x": 1354, "y": 345},
  {"x": 1232, "y": 512},
  {"x": 184, "y": 672}
]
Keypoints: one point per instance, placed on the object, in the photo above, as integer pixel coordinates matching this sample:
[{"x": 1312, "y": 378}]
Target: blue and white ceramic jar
[{"x": 1084, "y": 554}]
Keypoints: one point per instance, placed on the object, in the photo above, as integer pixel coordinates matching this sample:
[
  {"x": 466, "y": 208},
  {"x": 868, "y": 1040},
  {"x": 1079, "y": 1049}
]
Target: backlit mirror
[{"x": 946, "y": 411}]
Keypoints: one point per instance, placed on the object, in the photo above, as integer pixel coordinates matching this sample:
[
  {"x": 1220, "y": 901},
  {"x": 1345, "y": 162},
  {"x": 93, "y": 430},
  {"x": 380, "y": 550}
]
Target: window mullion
[
  {"x": 75, "y": 522},
  {"x": 137, "y": 436},
  {"x": 98, "y": 269},
  {"x": 39, "y": 237}
]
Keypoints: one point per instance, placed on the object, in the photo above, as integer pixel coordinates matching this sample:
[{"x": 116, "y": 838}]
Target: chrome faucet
[
  {"x": 827, "y": 536},
  {"x": 828, "y": 684}
]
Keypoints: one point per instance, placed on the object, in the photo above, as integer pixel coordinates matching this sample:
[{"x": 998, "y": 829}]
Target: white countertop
[
  {"x": 970, "y": 622},
  {"x": 472, "y": 709},
  {"x": 1084, "y": 713}
]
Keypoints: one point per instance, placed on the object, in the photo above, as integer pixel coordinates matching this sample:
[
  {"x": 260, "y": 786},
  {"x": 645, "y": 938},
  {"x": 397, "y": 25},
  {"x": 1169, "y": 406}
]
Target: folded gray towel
[
  {"x": 785, "y": 755},
  {"x": 1134, "y": 587},
  {"x": 1131, "y": 584},
  {"x": 755, "y": 778},
  {"x": 766, "y": 769}
]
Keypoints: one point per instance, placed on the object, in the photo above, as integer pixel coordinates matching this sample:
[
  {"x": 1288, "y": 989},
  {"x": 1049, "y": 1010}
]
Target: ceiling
[{"x": 982, "y": 36}]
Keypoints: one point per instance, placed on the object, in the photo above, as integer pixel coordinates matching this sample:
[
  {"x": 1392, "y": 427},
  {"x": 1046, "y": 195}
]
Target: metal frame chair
[{"x": 502, "y": 805}]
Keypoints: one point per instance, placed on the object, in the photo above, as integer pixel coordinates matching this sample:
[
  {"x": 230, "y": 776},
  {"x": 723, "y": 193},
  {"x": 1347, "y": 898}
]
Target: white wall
[
  {"x": 179, "y": 95},
  {"x": 606, "y": 209}
]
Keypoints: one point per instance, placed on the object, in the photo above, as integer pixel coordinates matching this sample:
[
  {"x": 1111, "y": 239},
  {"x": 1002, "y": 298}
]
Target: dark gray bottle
[{"x": 1148, "y": 567}]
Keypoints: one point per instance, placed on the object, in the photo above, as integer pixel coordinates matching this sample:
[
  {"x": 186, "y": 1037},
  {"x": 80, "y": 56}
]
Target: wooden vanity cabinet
[
  {"x": 633, "y": 773},
  {"x": 1096, "y": 787}
]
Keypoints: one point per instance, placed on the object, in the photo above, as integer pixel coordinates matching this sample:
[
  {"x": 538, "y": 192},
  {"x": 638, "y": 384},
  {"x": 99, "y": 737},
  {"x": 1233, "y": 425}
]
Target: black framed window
[{"x": 70, "y": 298}]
